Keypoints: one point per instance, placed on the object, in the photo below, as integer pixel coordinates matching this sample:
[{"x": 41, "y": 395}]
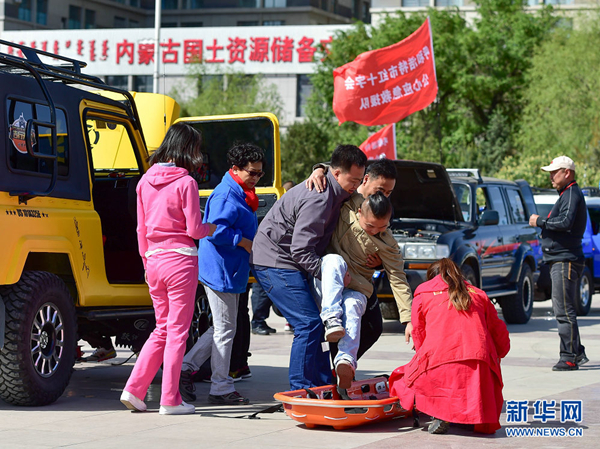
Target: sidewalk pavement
[{"x": 89, "y": 414}]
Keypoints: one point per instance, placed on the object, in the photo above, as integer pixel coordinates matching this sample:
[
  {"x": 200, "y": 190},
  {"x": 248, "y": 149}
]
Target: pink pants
[{"x": 173, "y": 279}]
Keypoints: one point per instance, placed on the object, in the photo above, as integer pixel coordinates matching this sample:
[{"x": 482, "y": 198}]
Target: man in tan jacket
[{"x": 362, "y": 231}]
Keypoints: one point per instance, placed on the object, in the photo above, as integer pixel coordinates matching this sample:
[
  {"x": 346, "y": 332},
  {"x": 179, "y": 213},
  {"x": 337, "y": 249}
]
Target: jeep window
[
  {"x": 516, "y": 205},
  {"x": 595, "y": 218},
  {"x": 112, "y": 148},
  {"x": 482, "y": 201},
  {"x": 463, "y": 193},
  {"x": 18, "y": 114},
  {"x": 497, "y": 202},
  {"x": 219, "y": 136}
]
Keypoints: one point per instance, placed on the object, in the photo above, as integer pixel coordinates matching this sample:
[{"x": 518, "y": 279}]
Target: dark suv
[{"x": 480, "y": 223}]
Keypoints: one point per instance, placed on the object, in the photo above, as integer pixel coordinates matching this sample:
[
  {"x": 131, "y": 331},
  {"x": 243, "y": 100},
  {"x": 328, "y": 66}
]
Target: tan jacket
[{"x": 351, "y": 242}]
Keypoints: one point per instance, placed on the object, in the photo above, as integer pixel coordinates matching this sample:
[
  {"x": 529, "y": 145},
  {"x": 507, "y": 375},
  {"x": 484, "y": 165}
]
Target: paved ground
[{"x": 89, "y": 414}]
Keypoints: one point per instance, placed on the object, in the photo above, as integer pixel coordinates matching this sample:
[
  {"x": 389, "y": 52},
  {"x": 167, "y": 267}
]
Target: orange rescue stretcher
[{"x": 370, "y": 402}]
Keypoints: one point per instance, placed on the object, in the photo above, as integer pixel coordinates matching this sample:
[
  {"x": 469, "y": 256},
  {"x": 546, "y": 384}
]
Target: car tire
[
  {"x": 517, "y": 309},
  {"x": 469, "y": 274},
  {"x": 585, "y": 290},
  {"x": 201, "y": 320},
  {"x": 389, "y": 310},
  {"x": 40, "y": 340}
]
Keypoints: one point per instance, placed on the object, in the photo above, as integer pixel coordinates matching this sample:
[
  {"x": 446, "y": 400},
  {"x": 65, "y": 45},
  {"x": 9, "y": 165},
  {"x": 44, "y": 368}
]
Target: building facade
[{"x": 275, "y": 38}]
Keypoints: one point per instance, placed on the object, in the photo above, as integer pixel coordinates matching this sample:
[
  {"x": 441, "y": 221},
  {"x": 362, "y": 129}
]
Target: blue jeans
[
  {"x": 565, "y": 277},
  {"x": 290, "y": 292}
]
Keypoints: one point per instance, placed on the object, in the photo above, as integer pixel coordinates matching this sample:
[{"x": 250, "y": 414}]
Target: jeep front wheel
[
  {"x": 39, "y": 352},
  {"x": 517, "y": 309},
  {"x": 584, "y": 293}
]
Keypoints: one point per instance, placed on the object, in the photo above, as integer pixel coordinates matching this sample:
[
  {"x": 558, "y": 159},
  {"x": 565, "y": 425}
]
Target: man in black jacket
[{"x": 562, "y": 232}]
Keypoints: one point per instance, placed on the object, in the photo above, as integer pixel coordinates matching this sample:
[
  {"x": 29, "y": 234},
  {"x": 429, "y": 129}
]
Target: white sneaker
[
  {"x": 181, "y": 409},
  {"x": 132, "y": 402}
]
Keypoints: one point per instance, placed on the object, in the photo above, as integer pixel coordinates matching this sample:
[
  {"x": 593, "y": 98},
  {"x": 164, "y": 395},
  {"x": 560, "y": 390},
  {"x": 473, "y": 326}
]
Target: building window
[
  {"x": 449, "y": 3},
  {"x": 134, "y": 3},
  {"x": 134, "y": 23},
  {"x": 169, "y": 4},
  {"x": 169, "y": 24},
  {"x": 191, "y": 24},
  {"x": 42, "y": 12},
  {"x": 90, "y": 19},
  {"x": 273, "y": 23},
  {"x": 275, "y": 3},
  {"x": 25, "y": 10},
  {"x": 413, "y": 3},
  {"x": 303, "y": 91},
  {"x": 118, "y": 81},
  {"x": 74, "y": 17},
  {"x": 248, "y": 23},
  {"x": 143, "y": 83},
  {"x": 251, "y": 3},
  {"x": 120, "y": 22},
  {"x": 192, "y": 4}
]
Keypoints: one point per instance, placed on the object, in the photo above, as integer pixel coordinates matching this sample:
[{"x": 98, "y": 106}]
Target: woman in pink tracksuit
[{"x": 169, "y": 218}]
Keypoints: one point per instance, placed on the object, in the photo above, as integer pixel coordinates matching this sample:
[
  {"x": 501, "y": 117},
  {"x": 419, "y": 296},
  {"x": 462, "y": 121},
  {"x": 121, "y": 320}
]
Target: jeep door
[{"x": 518, "y": 232}]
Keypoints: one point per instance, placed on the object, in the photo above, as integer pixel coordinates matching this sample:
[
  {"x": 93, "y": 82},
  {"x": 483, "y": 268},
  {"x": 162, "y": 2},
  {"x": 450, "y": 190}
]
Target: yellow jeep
[{"x": 71, "y": 161}]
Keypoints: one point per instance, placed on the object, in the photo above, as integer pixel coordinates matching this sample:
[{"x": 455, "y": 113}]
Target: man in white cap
[{"x": 562, "y": 232}]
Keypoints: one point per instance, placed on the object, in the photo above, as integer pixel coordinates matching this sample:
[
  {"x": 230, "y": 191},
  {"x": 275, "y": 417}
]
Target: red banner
[
  {"x": 386, "y": 85},
  {"x": 381, "y": 144}
]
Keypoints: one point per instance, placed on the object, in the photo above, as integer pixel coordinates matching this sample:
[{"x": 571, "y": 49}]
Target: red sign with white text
[
  {"x": 382, "y": 144},
  {"x": 386, "y": 85}
]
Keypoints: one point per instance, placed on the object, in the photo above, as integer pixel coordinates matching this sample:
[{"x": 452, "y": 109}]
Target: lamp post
[{"x": 157, "y": 12}]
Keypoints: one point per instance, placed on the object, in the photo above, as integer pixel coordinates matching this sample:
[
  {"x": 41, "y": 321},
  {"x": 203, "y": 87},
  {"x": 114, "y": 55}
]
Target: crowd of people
[{"x": 313, "y": 257}]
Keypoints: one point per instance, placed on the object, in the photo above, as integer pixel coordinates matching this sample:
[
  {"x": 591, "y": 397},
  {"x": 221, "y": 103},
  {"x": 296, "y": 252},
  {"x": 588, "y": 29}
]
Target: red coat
[{"x": 455, "y": 374}]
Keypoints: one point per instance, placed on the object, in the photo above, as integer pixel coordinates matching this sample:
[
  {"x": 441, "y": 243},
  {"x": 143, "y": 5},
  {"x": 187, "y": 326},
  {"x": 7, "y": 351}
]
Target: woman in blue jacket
[{"x": 223, "y": 266}]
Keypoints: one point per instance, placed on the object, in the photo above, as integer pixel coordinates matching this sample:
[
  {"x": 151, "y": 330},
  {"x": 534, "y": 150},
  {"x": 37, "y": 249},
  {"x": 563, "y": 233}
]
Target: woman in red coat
[{"x": 459, "y": 341}]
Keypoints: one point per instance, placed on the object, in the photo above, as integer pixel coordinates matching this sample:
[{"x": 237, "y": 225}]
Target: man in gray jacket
[{"x": 288, "y": 248}]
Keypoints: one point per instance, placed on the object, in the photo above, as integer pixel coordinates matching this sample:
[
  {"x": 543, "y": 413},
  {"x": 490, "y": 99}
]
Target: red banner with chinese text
[
  {"x": 386, "y": 85},
  {"x": 381, "y": 144}
]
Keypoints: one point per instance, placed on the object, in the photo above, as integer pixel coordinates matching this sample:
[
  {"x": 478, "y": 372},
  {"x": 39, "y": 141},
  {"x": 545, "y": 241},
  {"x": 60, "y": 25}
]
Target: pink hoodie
[{"x": 168, "y": 210}]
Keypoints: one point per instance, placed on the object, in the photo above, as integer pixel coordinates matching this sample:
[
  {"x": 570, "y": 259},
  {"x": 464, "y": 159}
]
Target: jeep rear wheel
[
  {"x": 37, "y": 359},
  {"x": 201, "y": 319},
  {"x": 517, "y": 309},
  {"x": 584, "y": 293}
]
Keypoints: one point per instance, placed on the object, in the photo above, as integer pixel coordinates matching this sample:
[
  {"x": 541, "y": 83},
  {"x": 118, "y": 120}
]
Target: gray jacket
[{"x": 296, "y": 231}]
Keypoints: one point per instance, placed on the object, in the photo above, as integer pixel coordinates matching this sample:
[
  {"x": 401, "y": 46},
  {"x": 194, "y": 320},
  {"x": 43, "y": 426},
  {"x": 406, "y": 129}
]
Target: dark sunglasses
[{"x": 255, "y": 174}]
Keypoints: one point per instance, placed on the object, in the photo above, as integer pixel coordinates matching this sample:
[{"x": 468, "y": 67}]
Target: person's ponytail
[{"x": 451, "y": 275}]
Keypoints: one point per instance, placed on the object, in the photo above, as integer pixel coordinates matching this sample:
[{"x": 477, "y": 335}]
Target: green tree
[
  {"x": 302, "y": 145},
  {"x": 562, "y": 115},
  {"x": 205, "y": 92},
  {"x": 480, "y": 72}
]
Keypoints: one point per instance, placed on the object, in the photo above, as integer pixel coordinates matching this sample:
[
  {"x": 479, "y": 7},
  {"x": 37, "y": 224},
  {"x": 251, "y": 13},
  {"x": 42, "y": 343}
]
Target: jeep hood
[{"x": 424, "y": 191}]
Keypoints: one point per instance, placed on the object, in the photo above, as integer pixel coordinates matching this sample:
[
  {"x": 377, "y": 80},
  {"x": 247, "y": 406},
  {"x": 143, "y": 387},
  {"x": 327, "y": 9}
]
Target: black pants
[
  {"x": 261, "y": 305},
  {"x": 565, "y": 277},
  {"x": 371, "y": 327},
  {"x": 241, "y": 341}
]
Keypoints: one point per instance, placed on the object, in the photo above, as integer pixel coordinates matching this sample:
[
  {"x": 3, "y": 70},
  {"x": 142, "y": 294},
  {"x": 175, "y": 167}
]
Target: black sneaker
[
  {"x": 233, "y": 398},
  {"x": 261, "y": 330},
  {"x": 438, "y": 426},
  {"x": 187, "y": 389},
  {"x": 334, "y": 331},
  {"x": 563, "y": 365},
  {"x": 581, "y": 359}
]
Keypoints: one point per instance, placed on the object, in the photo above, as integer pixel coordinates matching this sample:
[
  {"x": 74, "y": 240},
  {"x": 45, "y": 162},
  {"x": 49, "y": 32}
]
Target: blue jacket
[{"x": 222, "y": 265}]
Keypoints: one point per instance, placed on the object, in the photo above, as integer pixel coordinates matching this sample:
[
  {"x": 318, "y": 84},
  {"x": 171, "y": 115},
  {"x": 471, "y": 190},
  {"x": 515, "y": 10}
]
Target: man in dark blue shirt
[{"x": 562, "y": 232}]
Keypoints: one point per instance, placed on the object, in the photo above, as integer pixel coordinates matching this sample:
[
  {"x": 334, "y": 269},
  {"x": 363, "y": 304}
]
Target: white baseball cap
[{"x": 560, "y": 162}]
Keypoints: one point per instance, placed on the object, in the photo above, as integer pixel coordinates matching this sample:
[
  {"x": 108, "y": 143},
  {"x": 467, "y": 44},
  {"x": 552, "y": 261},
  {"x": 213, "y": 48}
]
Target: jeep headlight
[{"x": 427, "y": 251}]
